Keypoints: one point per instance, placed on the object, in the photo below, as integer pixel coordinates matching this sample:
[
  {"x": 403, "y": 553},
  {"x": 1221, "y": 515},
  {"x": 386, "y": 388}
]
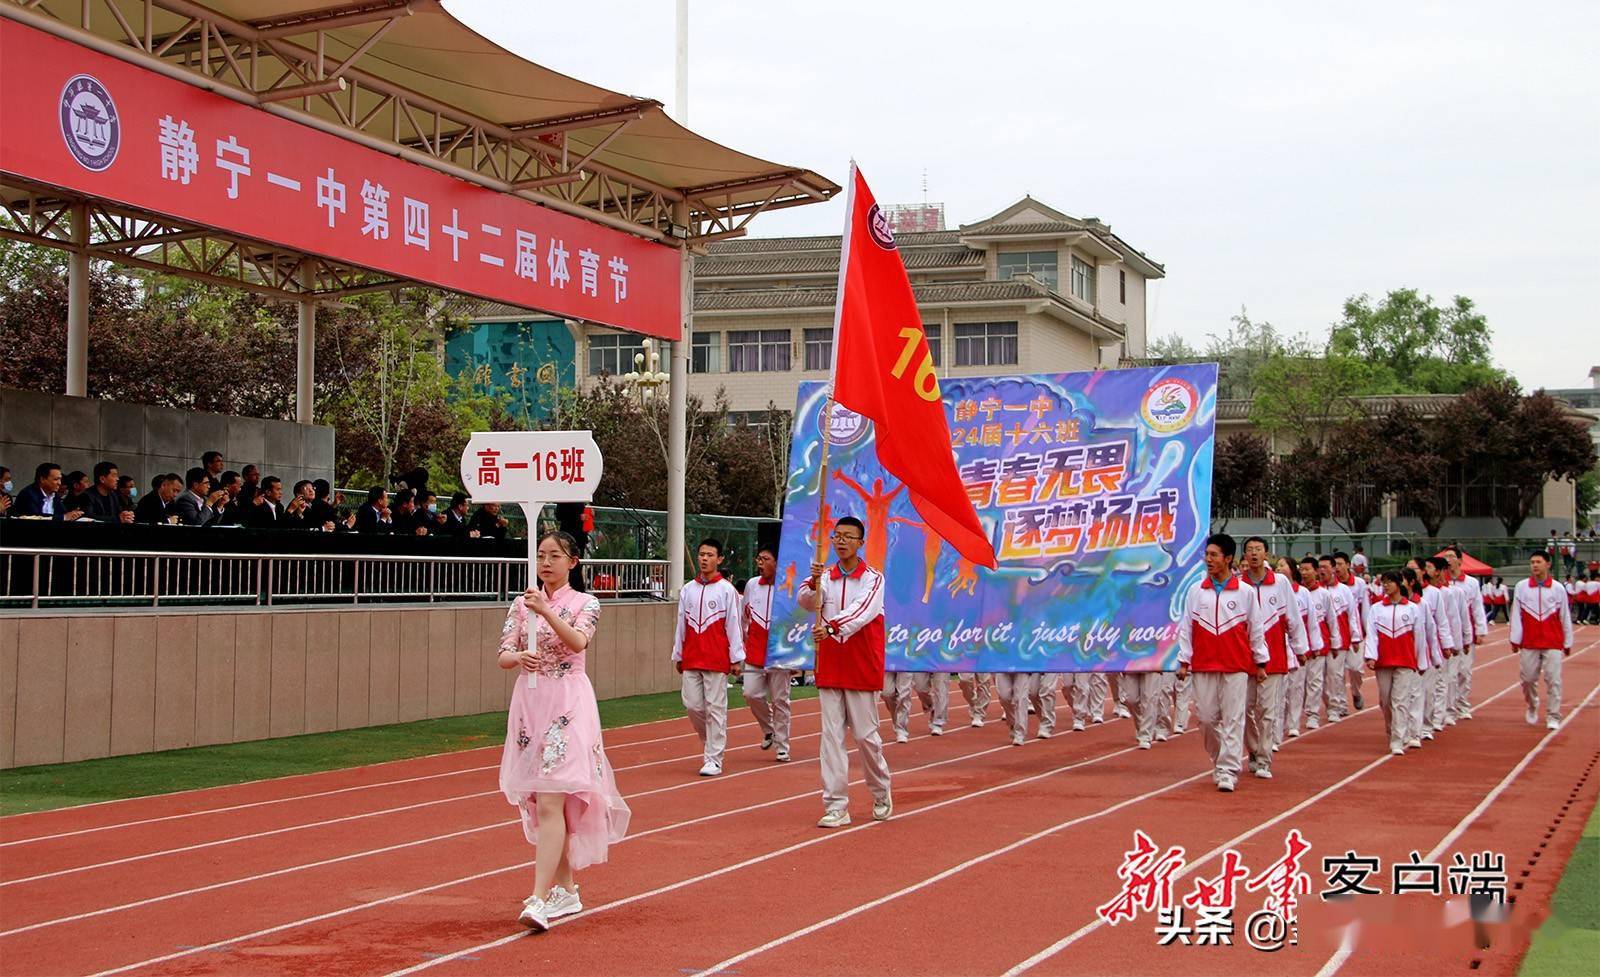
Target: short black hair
[
  {"x": 767, "y": 548},
  {"x": 457, "y": 498},
  {"x": 1258, "y": 539},
  {"x": 246, "y": 469},
  {"x": 402, "y": 497},
  {"x": 268, "y": 482},
  {"x": 195, "y": 476},
  {"x": 228, "y": 477},
  {"x": 376, "y": 492},
  {"x": 1325, "y": 559},
  {"x": 301, "y": 484},
  {"x": 1541, "y": 554},
  {"x": 1308, "y": 558},
  {"x": 852, "y": 521},
  {"x": 1457, "y": 551},
  {"x": 72, "y": 477},
  {"x": 1441, "y": 564},
  {"x": 1341, "y": 555},
  {"x": 210, "y": 456},
  {"x": 712, "y": 542},
  {"x": 103, "y": 468},
  {"x": 124, "y": 480},
  {"x": 1358, "y": 547},
  {"x": 43, "y": 471},
  {"x": 322, "y": 488},
  {"x": 1222, "y": 541}
]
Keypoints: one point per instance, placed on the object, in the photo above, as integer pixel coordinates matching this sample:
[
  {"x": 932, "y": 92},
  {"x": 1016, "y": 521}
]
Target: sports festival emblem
[{"x": 1169, "y": 405}]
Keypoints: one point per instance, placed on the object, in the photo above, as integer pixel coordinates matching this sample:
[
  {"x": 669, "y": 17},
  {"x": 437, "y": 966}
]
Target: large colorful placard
[
  {"x": 1094, "y": 487},
  {"x": 94, "y": 124}
]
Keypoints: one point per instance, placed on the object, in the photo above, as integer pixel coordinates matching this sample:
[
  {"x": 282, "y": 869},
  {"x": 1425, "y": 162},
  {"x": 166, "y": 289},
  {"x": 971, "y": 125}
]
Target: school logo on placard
[
  {"x": 1169, "y": 405},
  {"x": 845, "y": 426},
  {"x": 90, "y": 125}
]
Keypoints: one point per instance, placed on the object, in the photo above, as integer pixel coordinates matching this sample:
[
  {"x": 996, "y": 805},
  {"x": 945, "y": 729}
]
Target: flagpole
[{"x": 833, "y": 369}]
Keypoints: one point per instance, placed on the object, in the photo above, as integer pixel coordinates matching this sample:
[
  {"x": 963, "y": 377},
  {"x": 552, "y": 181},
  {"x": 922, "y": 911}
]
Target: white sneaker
[
  {"x": 783, "y": 754},
  {"x": 1552, "y": 723},
  {"x": 1161, "y": 736},
  {"x": 1099, "y": 720},
  {"x": 1293, "y": 733},
  {"x": 977, "y": 722},
  {"x": 1123, "y": 713},
  {"x": 1077, "y": 725},
  {"x": 1275, "y": 747},
  {"x": 560, "y": 903},
  {"x": 766, "y": 741},
  {"x": 1414, "y": 743},
  {"x": 1262, "y": 773},
  {"x": 835, "y": 819},
  {"x": 1016, "y": 739},
  {"x": 1044, "y": 734},
  {"x": 1466, "y": 714},
  {"x": 1144, "y": 744},
  {"x": 1226, "y": 786},
  {"x": 1313, "y": 723},
  {"x": 1179, "y": 730},
  {"x": 711, "y": 769},
  {"x": 935, "y": 730},
  {"x": 1397, "y": 751},
  {"x": 1531, "y": 717},
  {"x": 534, "y": 917},
  {"x": 1427, "y": 734},
  {"x": 882, "y": 810},
  {"x": 902, "y": 737}
]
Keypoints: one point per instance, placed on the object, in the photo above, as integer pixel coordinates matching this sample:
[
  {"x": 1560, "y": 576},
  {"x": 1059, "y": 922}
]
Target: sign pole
[{"x": 822, "y": 496}]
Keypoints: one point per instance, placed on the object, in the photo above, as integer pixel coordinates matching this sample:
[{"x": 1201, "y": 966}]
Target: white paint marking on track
[{"x": 1090, "y": 927}]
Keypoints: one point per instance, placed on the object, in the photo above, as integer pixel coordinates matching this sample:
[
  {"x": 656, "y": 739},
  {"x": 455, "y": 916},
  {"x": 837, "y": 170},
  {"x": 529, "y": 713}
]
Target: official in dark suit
[
  {"x": 39, "y": 499},
  {"x": 266, "y": 510}
]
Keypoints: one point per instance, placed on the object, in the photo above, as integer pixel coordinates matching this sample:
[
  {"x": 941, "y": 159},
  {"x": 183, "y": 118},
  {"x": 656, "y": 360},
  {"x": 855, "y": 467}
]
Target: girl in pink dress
[{"x": 554, "y": 769}]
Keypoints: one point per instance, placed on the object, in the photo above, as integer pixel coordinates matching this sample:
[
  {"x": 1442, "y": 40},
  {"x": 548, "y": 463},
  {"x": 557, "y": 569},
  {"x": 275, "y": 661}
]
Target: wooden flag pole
[{"x": 822, "y": 499}]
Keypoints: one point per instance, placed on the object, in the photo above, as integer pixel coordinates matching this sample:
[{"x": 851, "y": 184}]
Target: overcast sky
[{"x": 1279, "y": 157}]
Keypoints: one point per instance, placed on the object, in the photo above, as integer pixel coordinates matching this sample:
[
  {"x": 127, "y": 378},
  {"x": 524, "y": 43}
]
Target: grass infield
[
  {"x": 42, "y": 788},
  {"x": 1569, "y": 941}
]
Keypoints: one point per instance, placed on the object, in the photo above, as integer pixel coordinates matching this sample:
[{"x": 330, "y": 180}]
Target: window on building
[
  {"x": 1039, "y": 264},
  {"x": 758, "y": 351},
  {"x": 611, "y": 354},
  {"x": 986, "y": 344},
  {"x": 1122, "y": 285},
  {"x": 819, "y": 349},
  {"x": 705, "y": 356},
  {"x": 935, "y": 343},
  {"x": 1083, "y": 279}
]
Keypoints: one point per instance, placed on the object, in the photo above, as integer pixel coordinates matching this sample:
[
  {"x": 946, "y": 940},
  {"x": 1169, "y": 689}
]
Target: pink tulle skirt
[{"x": 553, "y": 746}]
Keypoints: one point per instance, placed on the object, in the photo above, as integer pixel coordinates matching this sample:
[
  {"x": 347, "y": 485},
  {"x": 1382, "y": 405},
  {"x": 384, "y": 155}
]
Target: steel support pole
[
  {"x": 678, "y": 420},
  {"x": 78, "y": 304},
  {"x": 305, "y": 370},
  {"x": 680, "y": 107}
]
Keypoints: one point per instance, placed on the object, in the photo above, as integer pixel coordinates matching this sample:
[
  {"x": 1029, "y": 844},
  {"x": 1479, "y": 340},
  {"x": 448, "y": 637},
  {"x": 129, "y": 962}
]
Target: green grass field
[
  {"x": 64, "y": 784},
  {"x": 1571, "y": 935}
]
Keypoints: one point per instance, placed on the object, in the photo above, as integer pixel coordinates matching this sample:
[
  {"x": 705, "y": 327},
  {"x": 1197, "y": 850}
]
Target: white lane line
[
  {"x": 341, "y": 790},
  {"x": 456, "y": 834},
  {"x": 1067, "y": 941}
]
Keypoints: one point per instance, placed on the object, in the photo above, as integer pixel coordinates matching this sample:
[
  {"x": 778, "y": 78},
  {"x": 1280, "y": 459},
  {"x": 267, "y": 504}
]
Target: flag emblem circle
[
  {"x": 90, "y": 125},
  {"x": 1169, "y": 405},
  {"x": 845, "y": 426},
  {"x": 879, "y": 229}
]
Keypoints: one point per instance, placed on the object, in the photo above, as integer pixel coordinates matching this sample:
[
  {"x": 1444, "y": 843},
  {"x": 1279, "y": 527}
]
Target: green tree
[
  {"x": 1415, "y": 345},
  {"x": 1238, "y": 476},
  {"x": 1297, "y": 491}
]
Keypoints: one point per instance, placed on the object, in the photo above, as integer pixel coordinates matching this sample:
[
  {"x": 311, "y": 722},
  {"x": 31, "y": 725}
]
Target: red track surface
[{"x": 996, "y": 858}]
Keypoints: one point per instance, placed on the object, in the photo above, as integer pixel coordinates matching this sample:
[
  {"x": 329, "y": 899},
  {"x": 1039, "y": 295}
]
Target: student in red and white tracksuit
[
  {"x": 1393, "y": 649},
  {"x": 1541, "y": 634},
  {"x": 1455, "y": 601},
  {"x": 1286, "y": 640},
  {"x": 1016, "y": 691},
  {"x": 766, "y": 690},
  {"x": 850, "y": 641},
  {"x": 976, "y": 689},
  {"x": 1344, "y": 632},
  {"x": 1429, "y": 654},
  {"x": 1086, "y": 693},
  {"x": 933, "y": 690},
  {"x": 1436, "y": 601},
  {"x": 1318, "y": 664},
  {"x": 898, "y": 689},
  {"x": 708, "y": 646},
  {"x": 1310, "y": 607},
  {"x": 1221, "y": 644},
  {"x": 1361, "y": 598},
  {"x": 1470, "y": 589}
]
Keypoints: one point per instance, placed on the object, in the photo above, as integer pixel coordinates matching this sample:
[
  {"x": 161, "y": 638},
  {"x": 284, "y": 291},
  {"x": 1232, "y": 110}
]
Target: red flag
[{"x": 883, "y": 370}]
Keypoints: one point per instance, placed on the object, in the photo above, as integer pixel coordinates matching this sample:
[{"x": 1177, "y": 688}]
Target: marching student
[
  {"x": 1310, "y": 607},
  {"x": 1344, "y": 632},
  {"x": 975, "y": 689},
  {"x": 1221, "y": 643},
  {"x": 1361, "y": 597},
  {"x": 933, "y": 690},
  {"x": 898, "y": 688},
  {"x": 1429, "y": 656},
  {"x": 1392, "y": 650},
  {"x": 1319, "y": 664},
  {"x": 1086, "y": 693},
  {"x": 1541, "y": 634},
  {"x": 1286, "y": 637},
  {"x": 1042, "y": 696},
  {"x": 1590, "y": 608},
  {"x": 1447, "y": 685},
  {"x": 1437, "y": 608},
  {"x": 1141, "y": 694},
  {"x": 554, "y": 768},
  {"x": 849, "y": 670},
  {"x": 708, "y": 647},
  {"x": 1473, "y": 593},
  {"x": 1013, "y": 689},
  {"x": 766, "y": 690}
]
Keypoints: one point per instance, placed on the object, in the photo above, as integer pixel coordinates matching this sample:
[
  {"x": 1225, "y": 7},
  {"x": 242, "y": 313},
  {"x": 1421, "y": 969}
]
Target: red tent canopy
[{"x": 1471, "y": 565}]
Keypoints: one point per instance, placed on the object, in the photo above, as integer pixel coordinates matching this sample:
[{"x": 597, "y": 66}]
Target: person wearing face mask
[
  {"x": 5, "y": 490},
  {"x": 129, "y": 490}
]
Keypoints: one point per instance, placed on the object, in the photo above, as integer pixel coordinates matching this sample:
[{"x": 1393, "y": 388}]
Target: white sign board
[{"x": 531, "y": 466}]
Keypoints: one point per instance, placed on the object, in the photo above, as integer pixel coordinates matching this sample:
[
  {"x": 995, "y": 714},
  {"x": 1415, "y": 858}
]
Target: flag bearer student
[
  {"x": 1468, "y": 585},
  {"x": 1310, "y": 611},
  {"x": 1344, "y": 626},
  {"x": 1430, "y": 655},
  {"x": 708, "y": 647},
  {"x": 849, "y": 670},
  {"x": 1361, "y": 598},
  {"x": 766, "y": 689},
  {"x": 1221, "y": 643},
  {"x": 1435, "y": 600},
  {"x": 975, "y": 689},
  {"x": 933, "y": 689},
  {"x": 1541, "y": 634},
  {"x": 1286, "y": 640},
  {"x": 1454, "y": 602},
  {"x": 1392, "y": 649},
  {"x": 1316, "y": 667}
]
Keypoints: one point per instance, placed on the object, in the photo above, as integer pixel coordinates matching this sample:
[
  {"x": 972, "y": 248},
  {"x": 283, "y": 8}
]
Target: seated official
[
  {"x": 374, "y": 517},
  {"x": 40, "y": 498},
  {"x": 487, "y": 523},
  {"x": 104, "y": 502},
  {"x": 156, "y": 509},
  {"x": 197, "y": 506},
  {"x": 266, "y": 510}
]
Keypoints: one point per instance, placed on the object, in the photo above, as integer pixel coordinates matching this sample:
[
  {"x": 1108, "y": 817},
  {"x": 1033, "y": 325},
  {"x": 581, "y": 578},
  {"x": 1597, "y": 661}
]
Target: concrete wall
[
  {"x": 78, "y": 432},
  {"x": 76, "y": 686}
]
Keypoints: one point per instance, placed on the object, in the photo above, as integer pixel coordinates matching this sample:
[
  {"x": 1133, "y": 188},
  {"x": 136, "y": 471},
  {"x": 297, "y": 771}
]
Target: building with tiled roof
[{"x": 1028, "y": 290}]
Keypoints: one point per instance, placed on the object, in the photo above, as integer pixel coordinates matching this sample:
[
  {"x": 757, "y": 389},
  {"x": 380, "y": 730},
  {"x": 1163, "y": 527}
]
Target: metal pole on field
[{"x": 677, "y": 389}]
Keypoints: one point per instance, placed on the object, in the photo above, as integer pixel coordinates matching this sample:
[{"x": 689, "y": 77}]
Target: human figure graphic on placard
[
  {"x": 877, "y": 502},
  {"x": 966, "y": 578},
  {"x": 932, "y": 546},
  {"x": 788, "y": 581},
  {"x": 823, "y": 527}
]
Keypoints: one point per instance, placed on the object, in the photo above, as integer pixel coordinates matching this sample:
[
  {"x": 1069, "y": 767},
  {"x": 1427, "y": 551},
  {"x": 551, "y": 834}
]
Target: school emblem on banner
[{"x": 89, "y": 123}]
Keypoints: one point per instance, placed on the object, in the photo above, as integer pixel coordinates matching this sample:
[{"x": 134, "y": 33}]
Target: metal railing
[{"x": 148, "y": 578}]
